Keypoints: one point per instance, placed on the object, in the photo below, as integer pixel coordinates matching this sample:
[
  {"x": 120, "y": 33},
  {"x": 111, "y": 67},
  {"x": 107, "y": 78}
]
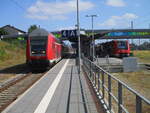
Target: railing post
[
  {"x": 109, "y": 91},
  {"x": 90, "y": 69},
  {"x": 138, "y": 104},
  {"x": 99, "y": 77},
  {"x": 98, "y": 82},
  {"x": 103, "y": 90},
  {"x": 95, "y": 78},
  {"x": 119, "y": 97}
]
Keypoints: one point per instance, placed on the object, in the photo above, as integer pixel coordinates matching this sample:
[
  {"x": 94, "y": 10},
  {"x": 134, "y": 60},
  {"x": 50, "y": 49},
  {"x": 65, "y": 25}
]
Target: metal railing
[{"x": 102, "y": 86}]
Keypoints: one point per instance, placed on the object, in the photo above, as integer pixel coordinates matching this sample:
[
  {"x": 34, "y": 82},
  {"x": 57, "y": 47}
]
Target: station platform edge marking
[
  {"x": 42, "y": 107},
  {"x": 21, "y": 96}
]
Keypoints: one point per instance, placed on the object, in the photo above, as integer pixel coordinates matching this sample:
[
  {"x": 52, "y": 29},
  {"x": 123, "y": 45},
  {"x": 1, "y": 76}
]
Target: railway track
[
  {"x": 147, "y": 66},
  {"x": 10, "y": 90}
]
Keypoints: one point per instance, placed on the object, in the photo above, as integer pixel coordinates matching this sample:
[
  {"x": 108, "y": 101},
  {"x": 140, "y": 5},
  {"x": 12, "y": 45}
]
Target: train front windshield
[
  {"x": 38, "y": 45},
  {"x": 122, "y": 45}
]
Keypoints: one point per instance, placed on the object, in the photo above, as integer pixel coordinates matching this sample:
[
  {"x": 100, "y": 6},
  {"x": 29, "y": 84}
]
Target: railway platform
[{"x": 60, "y": 90}]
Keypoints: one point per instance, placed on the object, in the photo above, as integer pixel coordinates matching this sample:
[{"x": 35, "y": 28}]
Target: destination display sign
[
  {"x": 128, "y": 34},
  {"x": 68, "y": 33}
]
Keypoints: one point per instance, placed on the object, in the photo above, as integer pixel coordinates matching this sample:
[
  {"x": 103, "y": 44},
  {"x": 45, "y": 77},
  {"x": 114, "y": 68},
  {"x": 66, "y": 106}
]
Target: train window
[
  {"x": 122, "y": 45},
  {"x": 38, "y": 45}
]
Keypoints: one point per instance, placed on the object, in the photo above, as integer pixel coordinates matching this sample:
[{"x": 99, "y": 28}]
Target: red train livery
[
  {"x": 115, "y": 48},
  {"x": 43, "y": 49}
]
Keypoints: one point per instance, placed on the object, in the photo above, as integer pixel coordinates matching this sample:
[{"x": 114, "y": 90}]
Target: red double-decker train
[
  {"x": 43, "y": 49},
  {"x": 115, "y": 48}
]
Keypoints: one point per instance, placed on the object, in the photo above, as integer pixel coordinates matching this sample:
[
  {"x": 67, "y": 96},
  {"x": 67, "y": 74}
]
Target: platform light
[
  {"x": 78, "y": 34},
  {"x": 93, "y": 42}
]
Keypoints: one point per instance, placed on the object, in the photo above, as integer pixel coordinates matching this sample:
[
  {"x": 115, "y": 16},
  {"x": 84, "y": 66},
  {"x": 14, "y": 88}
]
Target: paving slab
[{"x": 71, "y": 95}]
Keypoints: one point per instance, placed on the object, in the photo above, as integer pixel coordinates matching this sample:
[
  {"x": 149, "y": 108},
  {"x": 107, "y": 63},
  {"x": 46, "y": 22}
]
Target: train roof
[
  {"x": 42, "y": 33},
  {"x": 38, "y": 32}
]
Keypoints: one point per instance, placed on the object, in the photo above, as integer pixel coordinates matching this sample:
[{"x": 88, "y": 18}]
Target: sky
[{"x": 61, "y": 14}]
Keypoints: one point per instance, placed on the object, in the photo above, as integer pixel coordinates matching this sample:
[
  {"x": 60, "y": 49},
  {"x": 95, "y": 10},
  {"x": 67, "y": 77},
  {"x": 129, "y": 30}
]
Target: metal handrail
[{"x": 94, "y": 71}]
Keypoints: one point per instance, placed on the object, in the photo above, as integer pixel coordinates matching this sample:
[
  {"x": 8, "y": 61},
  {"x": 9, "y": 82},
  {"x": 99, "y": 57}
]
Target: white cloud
[
  {"x": 115, "y": 3},
  {"x": 129, "y": 16},
  {"x": 40, "y": 17},
  {"x": 66, "y": 28},
  {"x": 55, "y": 10},
  {"x": 119, "y": 21}
]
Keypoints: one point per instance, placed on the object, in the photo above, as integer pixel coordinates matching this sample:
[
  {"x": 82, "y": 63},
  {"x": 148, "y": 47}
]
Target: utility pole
[
  {"x": 132, "y": 28},
  {"x": 78, "y": 34},
  {"x": 131, "y": 24},
  {"x": 93, "y": 41},
  {"x": 149, "y": 28}
]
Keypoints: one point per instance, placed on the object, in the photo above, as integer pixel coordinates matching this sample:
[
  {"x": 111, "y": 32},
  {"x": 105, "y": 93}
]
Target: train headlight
[
  {"x": 32, "y": 52},
  {"x": 43, "y": 52}
]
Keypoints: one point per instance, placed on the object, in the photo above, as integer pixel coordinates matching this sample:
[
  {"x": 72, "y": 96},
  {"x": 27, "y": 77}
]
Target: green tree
[{"x": 31, "y": 28}]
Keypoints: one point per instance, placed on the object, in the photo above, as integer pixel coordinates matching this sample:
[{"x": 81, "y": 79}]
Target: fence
[{"x": 103, "y": 82}]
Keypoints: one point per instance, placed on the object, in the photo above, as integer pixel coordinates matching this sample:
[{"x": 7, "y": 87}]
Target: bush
[
  {"x": 15, "y": 43},
  {"x": 9, "y": 47},
  {"x": 3, "y": 54},
  {"x": 131, "y": 54}
]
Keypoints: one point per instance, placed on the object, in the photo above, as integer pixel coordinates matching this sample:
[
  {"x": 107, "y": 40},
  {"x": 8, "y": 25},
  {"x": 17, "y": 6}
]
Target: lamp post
[
  {"x": 78, "y": 34},
  {"x": 93, "y": 42},
  {"x": 132, "y": 28}
]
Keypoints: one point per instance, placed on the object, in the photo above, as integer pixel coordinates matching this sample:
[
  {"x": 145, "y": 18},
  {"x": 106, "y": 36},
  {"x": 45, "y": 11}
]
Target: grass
[
  {"x": 11, "y": 54},
  {"x": 143, "y": 55},
  {"x": 139, "y": 81}
]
